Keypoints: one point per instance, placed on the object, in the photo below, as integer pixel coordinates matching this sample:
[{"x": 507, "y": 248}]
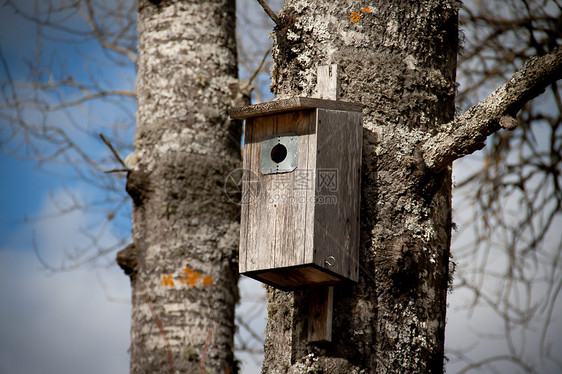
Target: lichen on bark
[
  {"x": 185, "y": 146},
  {"x": 399, "y": 60}
]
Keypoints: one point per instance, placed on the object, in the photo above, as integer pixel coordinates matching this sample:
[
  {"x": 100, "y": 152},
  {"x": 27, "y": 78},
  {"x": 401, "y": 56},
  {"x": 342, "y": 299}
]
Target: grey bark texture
[
  {"x": 399, "y": 60},
  {"x": 185, "y": 146}
]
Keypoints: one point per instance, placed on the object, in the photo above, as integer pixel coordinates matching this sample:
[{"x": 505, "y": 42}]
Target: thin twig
[
  {"x": 270, "y": 13},
  {"x": 204, "y": 358},
  {"x": 162, "y": 333},
  {"x": 259, "y": 67},
  {"x": 90, "y": 18},
  {"x": 45, "y": 264},
  {"x": 254, "y": 334},
  {"x": 107, "y": 293},
  {"x": 108, "y": 143},
  {"x": 90, "y": 97}
]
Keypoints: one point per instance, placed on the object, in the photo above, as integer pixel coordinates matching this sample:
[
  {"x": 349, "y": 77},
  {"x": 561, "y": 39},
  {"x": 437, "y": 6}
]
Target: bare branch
[
  {"x": 93, "y": 96},
  {"x": 259, "y": 67},
  {"x": 258, "y": 338},
  {"x": 108, "y": 143},
  {"x": 90, "y": 18},
  {"x": 117, "y": 171},
  {"x": 46, "y": 22},
  {"x": 270, "y": 13},
  {"x": 468, "y": 132}
]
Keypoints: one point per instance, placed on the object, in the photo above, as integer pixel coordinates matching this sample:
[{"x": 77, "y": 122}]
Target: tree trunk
[
  {"x": 183, "y": 259},
  {"x": 398, "y": 59}
]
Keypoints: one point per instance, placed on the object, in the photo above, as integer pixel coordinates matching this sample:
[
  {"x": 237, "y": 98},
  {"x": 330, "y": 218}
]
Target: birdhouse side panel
[
  {"x": 277, "y": 220},
  {"x": 336, "y": 233},
  {"x": 246, "y": 187}
]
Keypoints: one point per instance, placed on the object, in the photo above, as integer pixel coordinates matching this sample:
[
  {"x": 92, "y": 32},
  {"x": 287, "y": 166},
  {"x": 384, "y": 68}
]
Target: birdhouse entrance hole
[{"x": 279, "y": 153}]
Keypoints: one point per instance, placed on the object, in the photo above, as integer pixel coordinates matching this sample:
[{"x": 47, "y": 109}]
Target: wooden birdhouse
[{"x": 300, "y": 191}]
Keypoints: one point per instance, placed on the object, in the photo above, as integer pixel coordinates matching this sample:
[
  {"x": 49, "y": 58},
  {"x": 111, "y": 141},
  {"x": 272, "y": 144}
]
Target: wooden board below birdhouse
[{"x": 294, "y": 277}]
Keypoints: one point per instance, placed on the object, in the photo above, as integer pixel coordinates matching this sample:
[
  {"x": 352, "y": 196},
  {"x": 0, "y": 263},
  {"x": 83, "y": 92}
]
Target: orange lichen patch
[
  {"x": 190, "y": 277},
  {"x": 207, "y": 281},
  {"x": 355, "y": 17},
  {"x": 366, "y": 10},
  {"x": 167, "y": 280}
]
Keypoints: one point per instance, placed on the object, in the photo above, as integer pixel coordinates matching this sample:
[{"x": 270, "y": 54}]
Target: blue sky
[
  {"x": 68, "y": 322},
  {"x": 78, "y": 321}
]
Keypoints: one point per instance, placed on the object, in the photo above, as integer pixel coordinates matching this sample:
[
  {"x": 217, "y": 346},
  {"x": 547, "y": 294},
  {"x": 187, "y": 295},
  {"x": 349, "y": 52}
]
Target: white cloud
[
  {"x": 61, "y": 323},
  {"x": 72, "y": 238}
]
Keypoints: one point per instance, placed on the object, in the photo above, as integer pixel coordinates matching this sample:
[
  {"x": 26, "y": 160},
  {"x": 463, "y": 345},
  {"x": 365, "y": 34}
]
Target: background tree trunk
[
  {"x": 185, "y": 145},
  {"x": 398, "y": 59}
]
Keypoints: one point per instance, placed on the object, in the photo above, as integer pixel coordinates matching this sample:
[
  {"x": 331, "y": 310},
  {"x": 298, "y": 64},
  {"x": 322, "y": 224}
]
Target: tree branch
[
  {"x": 468, "y": 132},
  {"x": 90, "y": 18},
  {"x": 270, "y": 13},
  {"x": 117, "y": 157}
]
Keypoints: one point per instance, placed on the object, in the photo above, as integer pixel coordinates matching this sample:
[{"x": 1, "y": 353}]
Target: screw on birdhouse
[{"x": 330, "y": 261}]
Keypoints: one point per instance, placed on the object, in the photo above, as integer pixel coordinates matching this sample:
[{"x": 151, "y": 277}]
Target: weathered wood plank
[
  {"x": 291, "y": 105},
  {"x": 292, "y": 202},
  {"x": 244, "y": 200},
  {"x": 336, "y": 231},
  {"x": 320, "y": 314},
  {"x": 327, "y": 82},
  {"x": 259, "y": 253},
  {"x": 321, "y": 299}
]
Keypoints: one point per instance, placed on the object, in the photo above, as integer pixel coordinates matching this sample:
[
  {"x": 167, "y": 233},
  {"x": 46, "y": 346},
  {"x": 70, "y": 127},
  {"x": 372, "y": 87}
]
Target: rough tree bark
[
  {"x": 398, "y": 59},
  {"x": 185, "y": 145}
]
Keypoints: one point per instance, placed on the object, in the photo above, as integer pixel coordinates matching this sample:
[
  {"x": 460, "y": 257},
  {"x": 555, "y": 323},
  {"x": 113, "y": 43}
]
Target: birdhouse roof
[{"x": 292, "y": 104}]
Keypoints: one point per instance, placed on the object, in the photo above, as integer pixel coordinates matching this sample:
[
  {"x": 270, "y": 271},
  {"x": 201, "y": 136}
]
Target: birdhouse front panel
[
  {"x": 276, "y": 216},
  {"x": 300, "y": 211}
]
